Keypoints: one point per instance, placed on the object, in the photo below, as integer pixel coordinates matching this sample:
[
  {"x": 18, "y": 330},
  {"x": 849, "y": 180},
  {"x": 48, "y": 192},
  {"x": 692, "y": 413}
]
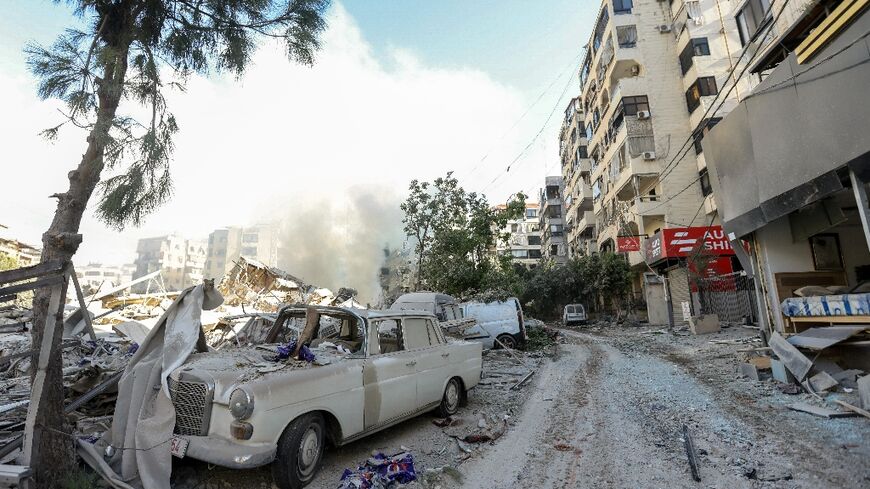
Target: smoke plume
[{"x": 338, "y": 240}]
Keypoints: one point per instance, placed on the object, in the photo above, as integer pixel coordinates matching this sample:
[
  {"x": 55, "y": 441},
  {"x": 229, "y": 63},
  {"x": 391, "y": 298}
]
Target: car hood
[{"x": 231, "y": 367}]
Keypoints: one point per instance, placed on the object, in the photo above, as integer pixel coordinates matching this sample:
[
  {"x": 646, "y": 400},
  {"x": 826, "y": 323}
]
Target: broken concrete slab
[
  {"x": 704, "y": 324},
  {"x": 748, "y": 370},
  {"x": 135, "y": 330},
  {"x": 827, "y": 365},
  {"x": 781, "y": 373},
  {"x": 821, "y": 338},
  {"x": 864, "y": 391},
  {"x": 823, "y": 381},
  {"x": 793, "y": 359},
  {"x": 819, "y": 411},
  {"x": 847, "y": 378}
]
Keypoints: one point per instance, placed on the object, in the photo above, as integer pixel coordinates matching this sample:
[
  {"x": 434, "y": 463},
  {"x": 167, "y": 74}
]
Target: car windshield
[{"x": 336, "y": 327}]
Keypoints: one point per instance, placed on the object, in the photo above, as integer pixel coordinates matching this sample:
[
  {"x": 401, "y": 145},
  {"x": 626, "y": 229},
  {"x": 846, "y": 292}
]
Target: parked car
[
  {"x": 443, "y": 306},
  {"x": 498, "y": 319},
  {"x": 574, "y": 314},
  {"x": 240, "y": 408}
]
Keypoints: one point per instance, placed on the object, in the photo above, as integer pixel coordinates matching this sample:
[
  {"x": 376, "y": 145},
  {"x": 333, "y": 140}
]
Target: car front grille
[{"x": 192, "y": 401}]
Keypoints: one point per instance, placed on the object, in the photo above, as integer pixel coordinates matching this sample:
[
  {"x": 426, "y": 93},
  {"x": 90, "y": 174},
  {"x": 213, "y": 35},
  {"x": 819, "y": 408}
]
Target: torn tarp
[{"x": 135, "y": 453}]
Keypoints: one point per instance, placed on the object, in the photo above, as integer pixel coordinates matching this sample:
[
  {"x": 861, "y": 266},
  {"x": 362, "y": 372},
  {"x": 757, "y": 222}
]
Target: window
[
  {"x": 589, "y": 132},
  {"x": 695, "y": 47},
  {"x": 534, "y": 240},
  {"x": 514, "y": 227},
  {"x": 389, "y": 336},
  {"x": 249, "y": 238},
  {"x": 534, "y": 253},
  {"x": 626, "y": 36},
  {"x": 622, "y": 6},
  {"x": 556, "y": 229},
  {"x": 531, "y": 213},
  {"x": 596, "y": 189},
  {"x": 415, "y": 333},
  {"x": 534, "y": 227},
  {"x": 632, "y": 105},
  {"x": 599, "y": 29},
  {"x": 750, "y": 18},
  {"x": 520, "y": 253},
  {"x": 581, "y": 153},
  {"x": 434, "y": 339},
  {"x": 702, "y": 130},
  {"x": 706, "y": 189},
  {"x": 554, "y": 250},
  {"x": 554, "y": 211},
  {"x": 703, "y": 86},
  {"x": 552, "y": 191}
]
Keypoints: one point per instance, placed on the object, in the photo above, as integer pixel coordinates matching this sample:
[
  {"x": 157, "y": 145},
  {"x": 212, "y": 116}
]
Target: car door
[
  {"x": 430, "y": 356},
  {"x": 389, "y": 376}
]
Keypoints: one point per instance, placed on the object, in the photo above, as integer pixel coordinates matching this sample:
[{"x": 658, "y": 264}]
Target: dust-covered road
[{"x": 602, "y": 417}]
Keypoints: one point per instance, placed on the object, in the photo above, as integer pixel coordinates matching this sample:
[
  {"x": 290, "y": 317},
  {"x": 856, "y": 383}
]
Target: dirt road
[{"x": 606, "y": 417}]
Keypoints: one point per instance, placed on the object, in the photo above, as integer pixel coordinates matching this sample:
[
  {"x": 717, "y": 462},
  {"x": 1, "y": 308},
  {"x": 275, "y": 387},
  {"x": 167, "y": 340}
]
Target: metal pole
[{"x": 669, "y": 303}]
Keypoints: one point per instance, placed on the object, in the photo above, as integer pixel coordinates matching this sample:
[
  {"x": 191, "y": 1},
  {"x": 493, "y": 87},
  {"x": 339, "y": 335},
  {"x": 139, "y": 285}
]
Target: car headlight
[{"x": 241, "y": 404}]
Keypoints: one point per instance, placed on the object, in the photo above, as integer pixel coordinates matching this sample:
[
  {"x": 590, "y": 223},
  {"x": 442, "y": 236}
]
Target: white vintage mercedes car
[{"x": 238, "y": 407}]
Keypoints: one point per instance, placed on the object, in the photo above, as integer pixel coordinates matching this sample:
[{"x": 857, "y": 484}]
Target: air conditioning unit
[
  {"x": 664, "y": 28},
  {"x": 643, "y": 114},
  {"x": 635, "y": 70},
  {"x": 649, "y": 155}
]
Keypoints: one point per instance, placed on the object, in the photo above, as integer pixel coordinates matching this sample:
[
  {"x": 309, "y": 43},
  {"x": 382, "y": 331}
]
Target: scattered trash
[
  {"x": 563, "y": 447},
  {"x": 380, "y": 471}
]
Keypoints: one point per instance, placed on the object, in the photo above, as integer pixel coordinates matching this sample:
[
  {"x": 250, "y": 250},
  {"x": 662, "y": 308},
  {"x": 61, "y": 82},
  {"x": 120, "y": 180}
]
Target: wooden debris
[
  {"x": 852, "y": 408},
  {"x": 818, "y": 411},
  {"x": 761, "y": 363},
  {"x": 691, "y": 454}
]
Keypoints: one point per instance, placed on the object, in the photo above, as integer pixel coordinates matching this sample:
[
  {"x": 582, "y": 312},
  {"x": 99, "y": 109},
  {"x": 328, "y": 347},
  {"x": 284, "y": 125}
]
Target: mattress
[{"x": 827, "y": 305}]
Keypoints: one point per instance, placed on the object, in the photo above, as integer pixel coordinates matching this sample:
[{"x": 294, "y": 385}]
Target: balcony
[
  {"x": 647, "y": 206},
  {"x": 586, "y": 222}
]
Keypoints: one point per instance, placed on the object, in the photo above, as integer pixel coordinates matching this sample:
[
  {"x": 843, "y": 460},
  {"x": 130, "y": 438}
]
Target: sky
[{"x": 400, "y": 90}]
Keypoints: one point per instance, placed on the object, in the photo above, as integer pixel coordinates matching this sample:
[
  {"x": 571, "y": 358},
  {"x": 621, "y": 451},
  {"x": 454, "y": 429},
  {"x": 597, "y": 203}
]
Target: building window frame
[
  {"x": 622, "y": 6},
  {"x": 697, "y": 46},
  {"x": 632, "y": 104},
  {"x": 704, "y": 86},
  {"x": 704, "y": 178}
]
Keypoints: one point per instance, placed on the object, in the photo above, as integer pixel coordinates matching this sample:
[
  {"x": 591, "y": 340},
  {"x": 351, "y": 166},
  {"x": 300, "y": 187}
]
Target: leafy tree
[
  {"x": 457, "y": 233},
  {"x": 131, "y": 52},
  {"x": 430, "y": 206}
]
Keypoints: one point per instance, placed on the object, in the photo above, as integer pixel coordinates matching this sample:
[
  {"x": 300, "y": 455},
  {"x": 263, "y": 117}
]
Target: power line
[
  {"x": 535, "y": 138},
  {"x": 528, "y": 109}
]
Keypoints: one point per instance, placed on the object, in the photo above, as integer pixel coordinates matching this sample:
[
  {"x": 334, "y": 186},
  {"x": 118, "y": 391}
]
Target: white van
[
  {"x": 498, "y": 319},
  {"x": 574, "y": 314},
  {"x": 443, "y": 306}
]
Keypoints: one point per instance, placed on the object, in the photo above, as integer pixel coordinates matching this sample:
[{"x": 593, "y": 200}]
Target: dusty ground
[{"x": 607, "y": 411}]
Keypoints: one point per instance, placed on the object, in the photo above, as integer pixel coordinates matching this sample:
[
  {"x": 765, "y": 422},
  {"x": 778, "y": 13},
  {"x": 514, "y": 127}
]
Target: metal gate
[
  {"x": 731, "y": 297},
  {"x": 678, "y": 287}
]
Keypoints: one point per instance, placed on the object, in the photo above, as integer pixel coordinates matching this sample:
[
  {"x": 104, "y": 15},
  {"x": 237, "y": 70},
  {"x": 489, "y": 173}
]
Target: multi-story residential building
[
  {"x": 552, "y": 221},
  {"x": 179, "y": 260},
  {"x": 524, "y": 238},
  {"x": 24, "y": 254},
  {"x": 579, "y": 216},
  {"x": 226, "y": 245},
  {"x": 651, "y": 72},
  {"x": 791, "y": 163}
]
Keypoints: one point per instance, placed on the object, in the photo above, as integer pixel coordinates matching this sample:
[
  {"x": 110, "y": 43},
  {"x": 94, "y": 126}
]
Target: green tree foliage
[
  {"x": 456, "y": 233},
  {"x": 600, "y": 282}
]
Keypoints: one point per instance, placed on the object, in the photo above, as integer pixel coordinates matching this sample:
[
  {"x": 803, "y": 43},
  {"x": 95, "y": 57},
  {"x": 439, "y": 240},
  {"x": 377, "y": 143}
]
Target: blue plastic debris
[
  {"x": 380, "y": 471},
  {"x": 133, "y": 348},
  {"x": 284, "y": 352}
]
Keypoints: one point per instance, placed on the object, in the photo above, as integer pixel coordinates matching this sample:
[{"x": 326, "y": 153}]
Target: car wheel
[
  {"x": 300, "y": 450},
  {"x": 508, "y": 341},
  {"x": 451, "y": 399}
]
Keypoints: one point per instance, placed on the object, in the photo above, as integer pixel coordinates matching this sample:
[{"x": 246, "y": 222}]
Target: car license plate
[{"x": 178, "y": 446}]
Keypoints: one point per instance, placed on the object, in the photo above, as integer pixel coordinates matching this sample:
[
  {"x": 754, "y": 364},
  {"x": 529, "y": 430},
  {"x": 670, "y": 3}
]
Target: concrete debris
[
  {"x": 748, "y": 370},
  {"x": 794, "y": 360},
  {"x": 822, "y": 381},
  {"x": 864, "y": 391}
]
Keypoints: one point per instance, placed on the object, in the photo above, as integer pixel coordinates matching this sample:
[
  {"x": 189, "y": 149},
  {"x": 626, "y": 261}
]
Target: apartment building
[
  {"x": 791, "y": 165},
  {"x": 524, "y": 238},
  {"x": 648, "y": 83},
  {"x": 179, "y": 260},
  {"x": 552, "y": 221},
  {"x": 226, "y": 245},
  {"x": 579, "y": 216},
  {"x": 24, "y": 254}
]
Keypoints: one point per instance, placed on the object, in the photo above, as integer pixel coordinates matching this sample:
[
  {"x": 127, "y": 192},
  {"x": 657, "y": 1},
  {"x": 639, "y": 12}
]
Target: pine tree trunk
[{"x": 53, "y": 453}]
